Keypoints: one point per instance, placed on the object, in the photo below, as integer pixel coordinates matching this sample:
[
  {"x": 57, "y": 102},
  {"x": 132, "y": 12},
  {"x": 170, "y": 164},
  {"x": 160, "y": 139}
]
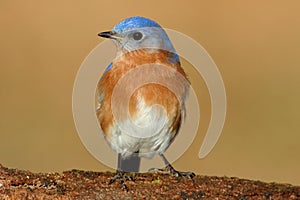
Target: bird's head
[{"x": 138, "y": 33}]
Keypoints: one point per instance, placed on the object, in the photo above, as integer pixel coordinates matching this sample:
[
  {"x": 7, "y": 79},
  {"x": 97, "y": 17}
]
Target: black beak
[{"x": 107, "y": 34}]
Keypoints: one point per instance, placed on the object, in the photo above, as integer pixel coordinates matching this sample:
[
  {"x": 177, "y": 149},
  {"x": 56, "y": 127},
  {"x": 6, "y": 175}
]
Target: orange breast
[{"x": 152, "y": 93}]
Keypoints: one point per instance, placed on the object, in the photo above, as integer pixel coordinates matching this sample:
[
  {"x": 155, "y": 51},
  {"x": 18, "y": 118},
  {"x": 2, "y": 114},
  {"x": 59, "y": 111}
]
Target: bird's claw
[
  {"x": 176, "y": 173},
  {"x": 156, "y": 170},
  {"x": 122, "y": 177},
  {"x": 173, "y": 172}
]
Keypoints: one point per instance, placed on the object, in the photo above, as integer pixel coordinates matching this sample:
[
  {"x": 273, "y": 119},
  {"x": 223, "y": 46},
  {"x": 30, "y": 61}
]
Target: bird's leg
[
  {"x": 170, "y": 169},
  {"x": 120, "y": 173},
  {"x": 130, "y": 164}
]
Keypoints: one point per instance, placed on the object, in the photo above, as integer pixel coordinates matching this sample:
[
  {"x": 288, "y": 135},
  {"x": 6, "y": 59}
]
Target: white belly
[{"x": 149, "y": 132}]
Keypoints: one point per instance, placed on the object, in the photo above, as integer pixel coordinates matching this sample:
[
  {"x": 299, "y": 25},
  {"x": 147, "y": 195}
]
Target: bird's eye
[{"x": 137, "y": 36}]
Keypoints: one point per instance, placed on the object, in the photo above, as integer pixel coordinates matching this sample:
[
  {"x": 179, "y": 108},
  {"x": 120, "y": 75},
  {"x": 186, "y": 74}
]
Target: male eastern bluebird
[{"x": 147, "y": 72}]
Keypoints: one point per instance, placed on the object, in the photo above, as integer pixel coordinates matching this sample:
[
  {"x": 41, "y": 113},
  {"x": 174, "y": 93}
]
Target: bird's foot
[
  {"x": 170, "y": 169},
  {"x": 122, "y": 177}
]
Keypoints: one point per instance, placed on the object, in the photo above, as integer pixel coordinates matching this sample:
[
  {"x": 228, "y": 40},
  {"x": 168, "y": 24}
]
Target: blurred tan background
[{"x": 256, "y": 46}]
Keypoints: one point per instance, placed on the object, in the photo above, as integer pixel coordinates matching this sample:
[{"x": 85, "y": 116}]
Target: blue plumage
[
  {"x": 135, "y": 22},
  {"x": 108, "y": 67},
  {"x": 153, "y": 37}
]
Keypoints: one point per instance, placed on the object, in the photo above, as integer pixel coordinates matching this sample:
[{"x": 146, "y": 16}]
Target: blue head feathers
[
  {"x": 135, "y": 23},
  {"x": 140, "y": 33}
]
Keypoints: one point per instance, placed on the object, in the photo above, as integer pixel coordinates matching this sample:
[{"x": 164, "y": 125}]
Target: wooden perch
[{"x": 77, "y": 184}]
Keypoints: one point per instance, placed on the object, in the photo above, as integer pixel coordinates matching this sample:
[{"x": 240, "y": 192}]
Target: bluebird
[{"x": 154, "y": 91}]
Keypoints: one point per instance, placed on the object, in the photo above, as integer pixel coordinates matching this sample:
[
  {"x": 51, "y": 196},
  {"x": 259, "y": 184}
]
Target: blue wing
[
  {"x": 100, "y": 97},
  {"x": 108, "y": 67}
]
